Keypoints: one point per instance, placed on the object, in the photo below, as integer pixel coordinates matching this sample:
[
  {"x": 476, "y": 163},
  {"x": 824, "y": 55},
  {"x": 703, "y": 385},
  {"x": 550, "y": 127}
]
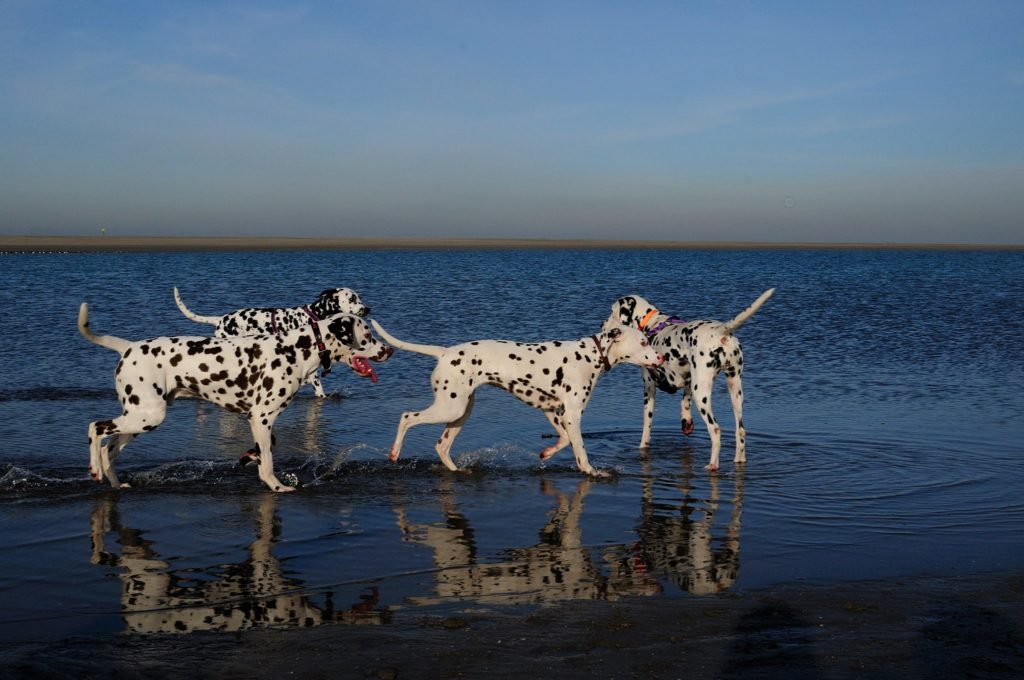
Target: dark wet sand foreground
[{"x": 964, "y": 627}]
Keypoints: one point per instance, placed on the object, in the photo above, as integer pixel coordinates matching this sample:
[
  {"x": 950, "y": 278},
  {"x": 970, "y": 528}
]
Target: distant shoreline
[{"x": 59, "y": 244}]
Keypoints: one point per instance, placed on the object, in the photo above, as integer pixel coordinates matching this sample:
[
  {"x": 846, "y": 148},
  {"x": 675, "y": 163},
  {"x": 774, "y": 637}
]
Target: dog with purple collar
[
  {"x": 695, "y": 353},
  {"x": 255, "y": 375}
]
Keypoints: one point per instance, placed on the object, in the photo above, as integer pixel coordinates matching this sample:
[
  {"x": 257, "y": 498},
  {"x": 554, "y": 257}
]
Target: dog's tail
[
  {"x": 212, "y": 320},
  {"x": 108, "y": 341},
  {"x": 429, "y": 350},
  {"x": 738, "y": 320}
]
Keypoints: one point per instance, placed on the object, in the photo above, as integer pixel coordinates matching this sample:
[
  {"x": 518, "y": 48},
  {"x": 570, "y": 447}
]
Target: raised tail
[
  {"x": 108, "y": 341},
  {"x": 748, "y": 312},
  {"x": 429, "y": 350},
  {"x": 212, "y": 320}
]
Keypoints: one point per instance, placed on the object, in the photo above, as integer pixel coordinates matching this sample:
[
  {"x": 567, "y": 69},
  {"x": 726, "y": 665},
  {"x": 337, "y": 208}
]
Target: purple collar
[{"x": 651, "y": 332}]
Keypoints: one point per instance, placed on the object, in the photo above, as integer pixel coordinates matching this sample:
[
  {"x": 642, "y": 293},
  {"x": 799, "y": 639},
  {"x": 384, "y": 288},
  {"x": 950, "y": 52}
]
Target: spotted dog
[
  {"x": 555, "y": 377},
  {"x": 695, "y": 352},
  {"x": 277, "y": 320},
  {"x": 254, "y": 375}
]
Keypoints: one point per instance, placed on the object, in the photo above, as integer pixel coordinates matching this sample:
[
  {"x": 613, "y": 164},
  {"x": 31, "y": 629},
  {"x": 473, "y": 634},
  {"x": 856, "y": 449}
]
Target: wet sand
[
  {"x": 14, "y": 244},
  {"x": 971, "y": 626}
]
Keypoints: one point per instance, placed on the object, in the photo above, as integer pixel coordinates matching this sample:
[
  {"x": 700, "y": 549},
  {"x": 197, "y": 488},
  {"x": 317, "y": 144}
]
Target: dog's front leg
[
  {"x": 685, "y": 417},
  {"x": 262, "y": 435},
  {"x": 317, "y": 387},
  {"x": 571, "y": 422},
  {"x": 451, "y": 431},
  {"x": 650, "y": 392},
  {"x": 702, "y": 384}
]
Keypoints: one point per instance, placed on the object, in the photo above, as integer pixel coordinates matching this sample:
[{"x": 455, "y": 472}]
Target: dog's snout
[
  {"x": 364, "y": 312},
  {"x": 388, "y": 351}
]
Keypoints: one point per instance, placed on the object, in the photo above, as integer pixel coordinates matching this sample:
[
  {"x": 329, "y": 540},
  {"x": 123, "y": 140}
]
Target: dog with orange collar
[{"x": 695, "y": 353}]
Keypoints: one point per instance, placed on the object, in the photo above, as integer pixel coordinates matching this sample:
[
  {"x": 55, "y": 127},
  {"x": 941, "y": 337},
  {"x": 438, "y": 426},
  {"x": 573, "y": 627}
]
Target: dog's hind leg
[
  {"x": 735, "y": 383},
  {"x": 98, "y": 431},
  {"x": 123, "y": 429},
  {"x": 563, "y": 436},
  {"x": 451, "y": 431},
  {"x": 446, "y": 408},
  {"x": 115, "y": 446},
  {"x": 703, "y": 381},
  {"x": 650, "y": 392}
]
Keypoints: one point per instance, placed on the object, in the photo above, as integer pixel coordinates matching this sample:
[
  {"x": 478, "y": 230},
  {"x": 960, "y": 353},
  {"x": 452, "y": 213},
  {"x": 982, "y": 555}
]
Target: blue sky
[{"x": 778, "y": 121}]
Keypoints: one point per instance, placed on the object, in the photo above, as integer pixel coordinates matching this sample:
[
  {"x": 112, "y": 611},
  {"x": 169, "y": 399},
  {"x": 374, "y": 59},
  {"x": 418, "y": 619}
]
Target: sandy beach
[
  {"x": 925, "y": 627},
  {"x": 50, "y": 244}
]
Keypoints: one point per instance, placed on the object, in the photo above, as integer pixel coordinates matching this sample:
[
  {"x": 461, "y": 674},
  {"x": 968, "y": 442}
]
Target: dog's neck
[
  {"x": 648, "y": 320},
  {"x": 601, "y": 354}
]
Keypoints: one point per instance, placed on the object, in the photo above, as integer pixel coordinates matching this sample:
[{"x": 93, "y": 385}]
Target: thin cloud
[
  {"x": 727, "y": 110},
  {"x": 836, "y": 125}
]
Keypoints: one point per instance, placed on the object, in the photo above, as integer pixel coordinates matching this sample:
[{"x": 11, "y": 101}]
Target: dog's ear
[
  {"x": 327, "y": 301},
  {"x": 626, "y": 305},
  {"x": 343, "y": 328},
  {"x": 356, "y": 304}
]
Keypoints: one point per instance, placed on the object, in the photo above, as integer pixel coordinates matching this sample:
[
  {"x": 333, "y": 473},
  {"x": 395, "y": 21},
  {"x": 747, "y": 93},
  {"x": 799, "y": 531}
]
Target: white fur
[
  {"x": 556, "y": 377},
  {"x": 695, "y": 352},
  {"x": 254, "y": 375}
]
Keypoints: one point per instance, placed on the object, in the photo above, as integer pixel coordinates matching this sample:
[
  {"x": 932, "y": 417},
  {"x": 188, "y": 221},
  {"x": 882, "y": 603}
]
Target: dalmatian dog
[
  {"x": 274, "y": 321},
  {"x": 254, "y": 375},
  {"x": 555, "y": 377},
  {"x": 695, "y": 352}
]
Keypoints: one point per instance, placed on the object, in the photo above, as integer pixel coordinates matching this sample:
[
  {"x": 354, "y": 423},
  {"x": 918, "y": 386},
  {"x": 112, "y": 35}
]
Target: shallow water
[{"x": 883, "y": 412}]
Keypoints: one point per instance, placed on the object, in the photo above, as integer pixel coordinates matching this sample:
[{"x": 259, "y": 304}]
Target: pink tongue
[{"x": 361, "y": 366}]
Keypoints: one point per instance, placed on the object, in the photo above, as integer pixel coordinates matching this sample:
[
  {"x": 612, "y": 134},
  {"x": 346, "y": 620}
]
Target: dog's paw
[
  {"x": 687, "y": 427},
  {"x": 711, "y": 467}
]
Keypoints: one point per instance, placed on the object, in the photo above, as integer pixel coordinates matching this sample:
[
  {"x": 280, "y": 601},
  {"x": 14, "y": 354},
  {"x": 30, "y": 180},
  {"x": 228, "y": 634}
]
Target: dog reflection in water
[
  {"x": 252, "y": 594},
  {"x": 559, "y": 568},
  {"x": 695, "y": 554},
  {"x": 690, "y": 543}
]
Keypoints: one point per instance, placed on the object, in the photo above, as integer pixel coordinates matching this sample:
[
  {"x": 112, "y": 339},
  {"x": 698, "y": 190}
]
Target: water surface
[{"x": 883, "y": 412}]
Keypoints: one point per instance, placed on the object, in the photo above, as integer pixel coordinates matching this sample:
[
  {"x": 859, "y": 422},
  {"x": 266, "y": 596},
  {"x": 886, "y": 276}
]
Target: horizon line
[{"x": 27, "y": 244}]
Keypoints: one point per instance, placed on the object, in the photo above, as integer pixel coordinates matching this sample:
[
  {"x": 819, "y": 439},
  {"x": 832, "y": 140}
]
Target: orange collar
[{"x": 647, "y": 318}]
